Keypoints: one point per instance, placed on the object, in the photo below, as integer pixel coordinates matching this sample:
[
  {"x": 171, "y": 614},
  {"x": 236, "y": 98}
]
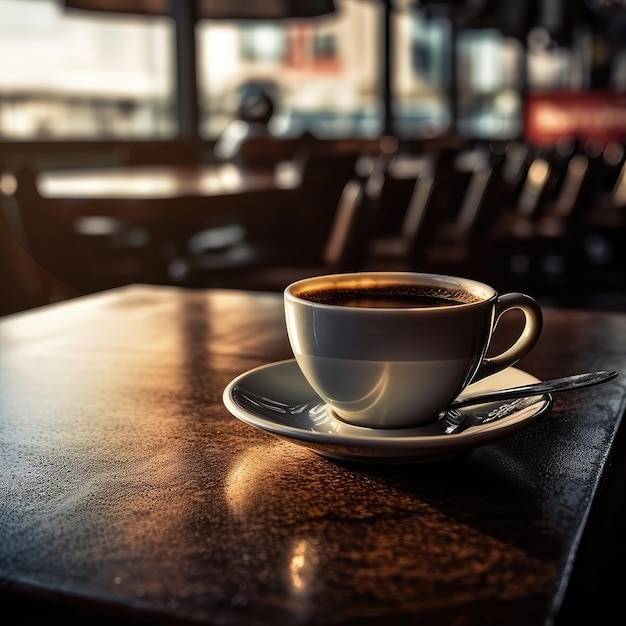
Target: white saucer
[{"x": 260, "y": 396}]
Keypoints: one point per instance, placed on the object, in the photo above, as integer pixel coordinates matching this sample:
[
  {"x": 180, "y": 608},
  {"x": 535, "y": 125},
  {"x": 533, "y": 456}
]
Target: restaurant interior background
[{"x": 511, "y": 114}]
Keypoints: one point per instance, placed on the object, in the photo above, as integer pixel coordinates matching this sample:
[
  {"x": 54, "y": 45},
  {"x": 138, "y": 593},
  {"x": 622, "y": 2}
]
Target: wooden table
[
  {"x": 159, "y": 182},
  {"x": 129, "y": 494},
  {"x": 167, "y": 205},
  {"x": 216, "y": 193}
]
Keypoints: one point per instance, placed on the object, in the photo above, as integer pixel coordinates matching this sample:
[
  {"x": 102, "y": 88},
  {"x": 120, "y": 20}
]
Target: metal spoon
[{"x": 454, "y": 421}]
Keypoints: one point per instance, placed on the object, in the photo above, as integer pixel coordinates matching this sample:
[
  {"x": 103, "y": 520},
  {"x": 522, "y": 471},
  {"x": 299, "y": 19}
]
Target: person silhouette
[{"x": 245, "y": 138}]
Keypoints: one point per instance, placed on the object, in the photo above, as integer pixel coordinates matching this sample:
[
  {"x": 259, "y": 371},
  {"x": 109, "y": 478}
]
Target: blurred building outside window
[
  {"x": 421, "y": 72},
  {"x": 324, "y": 74},
  {"x": 490, "y": 84},
  {"x": 72, "y": 75}
]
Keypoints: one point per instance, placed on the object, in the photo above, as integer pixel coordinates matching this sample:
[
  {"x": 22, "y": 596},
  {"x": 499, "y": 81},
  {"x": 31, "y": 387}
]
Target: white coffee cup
[{"x": 381, "y": 363}]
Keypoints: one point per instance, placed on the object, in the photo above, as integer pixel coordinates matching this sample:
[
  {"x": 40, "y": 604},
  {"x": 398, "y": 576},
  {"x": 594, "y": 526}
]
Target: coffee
[{"x": 389, "y": 297}]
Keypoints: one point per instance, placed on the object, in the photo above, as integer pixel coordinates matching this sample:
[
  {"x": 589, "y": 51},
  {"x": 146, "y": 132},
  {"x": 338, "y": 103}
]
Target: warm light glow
[
  {"x": 96, "y": 225},
  {"x": 538, "y": 172},
  {"x": 613, "y": 153},
  {"x": 113, "y": 183},
  {"x": 246, "y": 478},
  {"x": 599, "y": 117},
  {"x": 267, "y": 41},
  {"x": 8, "y": 184},
  {"x": 299, "y": 567}
]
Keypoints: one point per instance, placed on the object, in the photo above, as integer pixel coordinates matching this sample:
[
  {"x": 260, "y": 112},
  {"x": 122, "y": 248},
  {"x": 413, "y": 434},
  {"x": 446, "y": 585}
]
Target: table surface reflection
[
  {"x": 163, "y": 182},
  {"x": 128, "y": 493}
]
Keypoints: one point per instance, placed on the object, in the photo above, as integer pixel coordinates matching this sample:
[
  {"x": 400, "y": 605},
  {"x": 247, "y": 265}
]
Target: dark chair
[
  {"x": 472, "y": 210},
  {"x": 21, "y": 280},
  {"x": 434, "y": 202},
  {"x": 297, "y": 236},
  {"x": 480, "y": 193},
  {"x": 513, "y": 163},
  {"x": 85, "y": 254},
  {"x": 530, "y": 249},
  {"x": 345, "y": 249},
  {"x": 452, "y": 249},
  {"x": 597, "y": 259},
  {"x": 607, "y": 194}
]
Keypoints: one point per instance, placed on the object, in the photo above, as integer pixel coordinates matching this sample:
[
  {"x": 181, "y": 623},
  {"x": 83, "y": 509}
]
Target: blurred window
[
  {"x": 325, "y": 47},
  {"x": 266, "y": 42},
  {"x": 491, "y": 80},
  {"x": 323, "y": 74},
  {"x": 73, "y": 75},
  {"x": 420, "y": 73},
  {"x": 551, "y": 67},
  {"x": 97, "y": 75}
]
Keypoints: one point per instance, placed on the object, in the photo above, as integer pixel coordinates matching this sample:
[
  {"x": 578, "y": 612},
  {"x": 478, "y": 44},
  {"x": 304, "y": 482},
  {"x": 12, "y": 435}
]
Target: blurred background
[{"x": 485, "y": 138}]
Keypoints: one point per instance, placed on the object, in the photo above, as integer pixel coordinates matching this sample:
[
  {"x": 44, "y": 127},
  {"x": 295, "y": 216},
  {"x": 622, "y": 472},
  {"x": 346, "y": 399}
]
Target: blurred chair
[
  {"x": 613, "y": 161},
  {"x": 597, "y": 261},
  {"x": 345, "y": 249},
  {"x": 449, "y": 227},
  {"x": 514, "y": 161},
  {"x": 608, "y": 191},
  {"x": 21, "y": 280},
  {"x": 296, "y": 237},
  {"x": 391, "y": 250},
  {"x": 530, "y": 251},
  {"x": 434, "y": 202},
  {"x": 512, "y": 222},
  {"x": 452, "y": 248},
  {"x": 516, "y": 219},
  {"x": 85, "y": 254}
]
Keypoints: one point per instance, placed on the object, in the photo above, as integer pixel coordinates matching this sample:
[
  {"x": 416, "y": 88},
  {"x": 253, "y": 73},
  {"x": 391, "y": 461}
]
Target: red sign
[{"x": 598, "y": 115}]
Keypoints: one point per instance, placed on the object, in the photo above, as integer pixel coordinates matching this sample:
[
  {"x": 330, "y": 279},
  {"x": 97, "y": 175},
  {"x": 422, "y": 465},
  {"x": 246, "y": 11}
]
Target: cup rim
[{"x": 484, "y": 292}]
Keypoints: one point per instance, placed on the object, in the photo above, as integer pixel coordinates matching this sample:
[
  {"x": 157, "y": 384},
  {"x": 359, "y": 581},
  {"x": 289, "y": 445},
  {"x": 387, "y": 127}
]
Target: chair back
[
  {"x": 435, "y": 203},
  {"x": 46, "y": 239},
  {"x": 304, "y": 229},
  {"x": 618, "y": 194},
  {"x": 475, "y": 201},
  {"x": 41, "y": 246},
  {"x": 534, "y": 188},
  {"x": 572, "y": 188},
  {"x": 347, "y": 245},
  {"x": 87, "y": 253}
]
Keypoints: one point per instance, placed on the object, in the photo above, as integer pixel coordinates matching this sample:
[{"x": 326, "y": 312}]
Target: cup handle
[{"x": 526, "y": 340}]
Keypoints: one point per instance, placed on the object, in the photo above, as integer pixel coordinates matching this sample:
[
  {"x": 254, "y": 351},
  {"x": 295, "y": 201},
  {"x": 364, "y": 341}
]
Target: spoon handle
[{"x": 575, "y": 381}]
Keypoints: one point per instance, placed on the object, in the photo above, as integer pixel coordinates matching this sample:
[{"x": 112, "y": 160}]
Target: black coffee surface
[{"x": 392, "y": 297}]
